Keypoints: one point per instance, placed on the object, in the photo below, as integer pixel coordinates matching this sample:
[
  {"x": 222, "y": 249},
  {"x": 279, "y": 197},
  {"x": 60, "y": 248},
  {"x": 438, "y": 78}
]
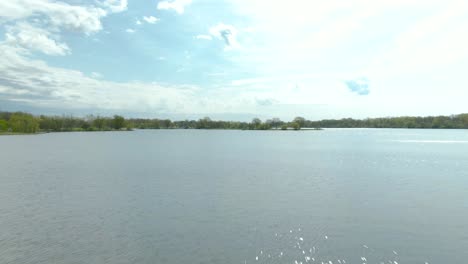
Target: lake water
[{"x": 199, "y": 196}]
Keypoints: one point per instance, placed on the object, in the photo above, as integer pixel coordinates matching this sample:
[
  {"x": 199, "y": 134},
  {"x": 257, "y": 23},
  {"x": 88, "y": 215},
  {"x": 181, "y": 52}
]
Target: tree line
[
  {"x": 442, "y": 122},
  {"x": 20, "y": 122},
  {"x": 207, "y": 123}
]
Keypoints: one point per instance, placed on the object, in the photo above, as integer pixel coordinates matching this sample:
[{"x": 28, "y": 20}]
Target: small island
[{"x": 26, "y": 123}]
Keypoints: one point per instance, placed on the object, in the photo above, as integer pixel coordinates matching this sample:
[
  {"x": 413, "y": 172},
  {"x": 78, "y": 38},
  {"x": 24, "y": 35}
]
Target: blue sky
[{"x": 234, "y": 59}]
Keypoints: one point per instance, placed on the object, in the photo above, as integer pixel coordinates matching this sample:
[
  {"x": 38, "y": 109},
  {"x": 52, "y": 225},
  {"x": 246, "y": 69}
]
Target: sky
[{"x": 234, "y": 59}]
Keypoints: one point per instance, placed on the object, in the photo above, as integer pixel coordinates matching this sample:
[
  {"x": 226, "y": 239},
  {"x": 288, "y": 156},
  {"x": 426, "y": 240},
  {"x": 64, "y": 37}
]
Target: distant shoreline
[
  {"x": 19, "y": 123},
  {"x": 132, "y": 130},
  {"x": 210, "y": 129}
]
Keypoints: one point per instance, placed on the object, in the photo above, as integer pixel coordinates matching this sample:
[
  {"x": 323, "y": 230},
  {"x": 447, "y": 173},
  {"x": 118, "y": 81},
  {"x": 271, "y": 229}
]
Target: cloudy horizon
[{"x": 234, "y": 59}]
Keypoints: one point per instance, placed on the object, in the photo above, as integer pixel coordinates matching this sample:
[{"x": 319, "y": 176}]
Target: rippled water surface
[{"x": 195, "y": 196}]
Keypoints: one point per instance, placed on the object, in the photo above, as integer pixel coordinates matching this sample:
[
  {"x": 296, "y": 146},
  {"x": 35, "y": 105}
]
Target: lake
[{"x": 213, "y": 196}]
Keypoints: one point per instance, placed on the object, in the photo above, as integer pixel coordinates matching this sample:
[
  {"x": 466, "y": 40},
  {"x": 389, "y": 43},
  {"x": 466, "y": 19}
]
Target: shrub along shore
[{"x": 25, "y": 123}]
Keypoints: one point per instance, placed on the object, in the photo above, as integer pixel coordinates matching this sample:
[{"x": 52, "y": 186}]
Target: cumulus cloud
[
  {"x": 129, "y": 30},
  {"x": 150, "y": 19},
  {"x": 32, "y": 38},
  {"x": 37, "y": 84},
  {"x": 358, "y": 86},
  {"x": 50, "y": 19},
  {"x": 176, "y": 5},
  {"x": 34, "y": 84},
  {"x": 54, "y": 15},
  {"x": 86, "y": 20},
  {"x": 116, "y": 6},
  {"x": 227, "y": 33},
  {"x": 36, "y": 25}
]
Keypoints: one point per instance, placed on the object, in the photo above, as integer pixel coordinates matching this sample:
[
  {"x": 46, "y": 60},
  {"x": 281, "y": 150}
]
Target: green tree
[
  {"x": 284, "y": 127},
  {"x": 118, "y": 122},
  {"x": 3, "y": 125},
  {"x": 463, "y": 123},
  {"x": 300, "y": 120},
  {"x": 204, "y": 123},
  {"x": 276, "y": 122},
  {"x": 295, "y": 125},
  {"x": 167, "y": 123},
  {"x": 24, "y": 123},
  {"x": 264, "y": 126},
  {"x": 256, "y": 123},
  {"x": 99, "y": 123}
]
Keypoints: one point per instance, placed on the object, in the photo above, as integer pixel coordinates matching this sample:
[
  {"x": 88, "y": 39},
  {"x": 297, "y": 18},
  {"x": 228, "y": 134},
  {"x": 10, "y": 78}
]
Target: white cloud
[
  {"x": 227, "y": 33},
  {"x": 138, "y": 22},
  {"x": 36, "y": 39},
  {"x": 116, "y": 6},
  {"x": 206, "y": 37},
  {"x": 359, "y": 38},
  {"x": 430, "y": 44},
  {"x": 310, "y": 28},
  {"x": 96, "y": 75},
  {"x": 12, "y": 91},
  {"x": 176, "y": 5},
  {"x": 34, "y": 83},
  {"x": 295, "y": 53},
  {"x": 54, "y": 15},
  {"x": 129, "y": 30},
  {"x": 86, "y": 20},
  {"x": 151, "y": 19},
  {"x": 40, "y": 85},
  {"x": 36, "y": 25}
]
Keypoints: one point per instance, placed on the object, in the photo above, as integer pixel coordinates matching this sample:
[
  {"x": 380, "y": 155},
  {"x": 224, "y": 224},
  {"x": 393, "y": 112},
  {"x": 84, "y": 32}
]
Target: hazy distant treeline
[
  {"x": 449, "y": 122},
  {"x": 27, "y": 123},
  {"x": 20, "y": 122},
  {"x": 207, "y": 123},
  {"x": 453, "y": 121}
]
